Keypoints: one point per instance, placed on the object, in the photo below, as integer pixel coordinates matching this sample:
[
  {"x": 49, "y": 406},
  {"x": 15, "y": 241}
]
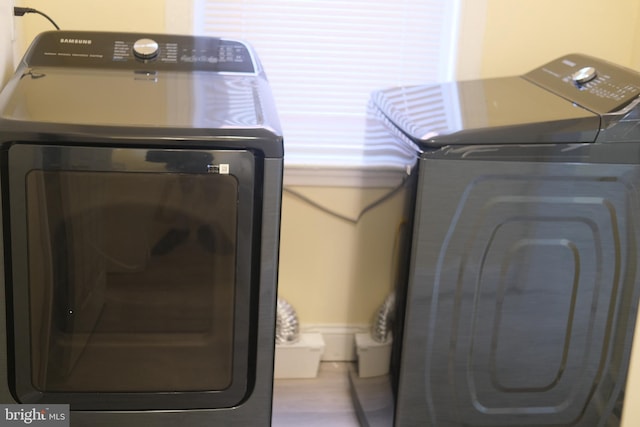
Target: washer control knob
[
  {"x": 145, "y": 49},
  {"x": 584, "y": 75}
]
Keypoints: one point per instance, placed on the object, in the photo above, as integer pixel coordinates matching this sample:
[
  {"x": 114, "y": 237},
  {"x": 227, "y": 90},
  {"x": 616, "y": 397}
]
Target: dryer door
[{"x": 132, "y": 276}]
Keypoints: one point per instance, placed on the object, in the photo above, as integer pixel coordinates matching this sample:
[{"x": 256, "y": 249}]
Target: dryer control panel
[
  {"x": 592, "y": 83},
  {"x": 140, "y": 51}
]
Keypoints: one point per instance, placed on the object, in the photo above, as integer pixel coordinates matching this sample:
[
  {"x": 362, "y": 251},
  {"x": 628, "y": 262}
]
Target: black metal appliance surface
[
  {"x": 141, "y": 182},
  {"x": 521, "y": 290}
]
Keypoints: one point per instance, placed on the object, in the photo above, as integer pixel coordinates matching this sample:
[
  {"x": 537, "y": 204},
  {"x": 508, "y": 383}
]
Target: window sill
[{"x": 357, "y": 177}]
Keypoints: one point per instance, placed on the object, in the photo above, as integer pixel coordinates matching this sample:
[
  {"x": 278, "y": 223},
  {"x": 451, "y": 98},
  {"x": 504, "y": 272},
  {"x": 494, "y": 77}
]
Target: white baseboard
[{"x": 339, "y": 340}]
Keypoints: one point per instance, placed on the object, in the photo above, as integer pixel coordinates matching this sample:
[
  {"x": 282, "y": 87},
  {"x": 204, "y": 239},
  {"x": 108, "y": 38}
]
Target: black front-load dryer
[
  {"x": 522, "y": 290},
  {"x": 141, "y": 186}
]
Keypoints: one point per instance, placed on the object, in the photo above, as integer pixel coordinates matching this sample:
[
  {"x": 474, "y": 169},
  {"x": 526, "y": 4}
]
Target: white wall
[
  {"x": 332, "y": 271},
  {"x": 92, "y": 15},
  {"x": 6, "y": 40},
  {"x": 506, "y": 37}
]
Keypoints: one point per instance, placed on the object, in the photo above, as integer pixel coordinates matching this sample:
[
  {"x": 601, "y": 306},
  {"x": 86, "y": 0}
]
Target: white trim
[
  {"x": 448, "y": 71},
  {"x": 339, "y": 340},
  {"x": 324, "y": 176}
]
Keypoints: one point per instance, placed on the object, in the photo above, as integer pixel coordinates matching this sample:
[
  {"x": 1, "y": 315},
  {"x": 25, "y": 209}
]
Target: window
[{"x": 323, "y": 59}]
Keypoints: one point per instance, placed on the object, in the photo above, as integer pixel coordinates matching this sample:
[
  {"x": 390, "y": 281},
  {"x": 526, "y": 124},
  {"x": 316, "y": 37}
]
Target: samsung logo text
[{"x": 75, "y": 41}]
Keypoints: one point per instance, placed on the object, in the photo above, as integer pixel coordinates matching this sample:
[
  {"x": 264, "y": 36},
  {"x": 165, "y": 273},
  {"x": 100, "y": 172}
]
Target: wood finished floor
[{"x": 319, "y": 402}]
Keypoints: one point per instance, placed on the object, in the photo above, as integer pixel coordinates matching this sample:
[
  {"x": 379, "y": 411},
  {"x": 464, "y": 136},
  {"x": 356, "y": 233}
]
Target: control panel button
[
  {"x": 584, "y": 75},
  {"x": 145, "y": 49}
]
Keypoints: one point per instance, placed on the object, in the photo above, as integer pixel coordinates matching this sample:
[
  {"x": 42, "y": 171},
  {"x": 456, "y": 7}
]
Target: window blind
[{"x": 324, "y": 58}]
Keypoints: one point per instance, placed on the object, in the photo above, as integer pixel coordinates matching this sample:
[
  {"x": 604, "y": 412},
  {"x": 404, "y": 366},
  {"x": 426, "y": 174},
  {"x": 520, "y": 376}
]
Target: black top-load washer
[
  {"x": 141, "y": 185},
  {"x": 522, "y": 285}
]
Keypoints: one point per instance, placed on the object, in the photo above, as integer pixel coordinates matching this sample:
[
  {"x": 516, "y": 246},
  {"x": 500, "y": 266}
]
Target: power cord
[
  {"x": 345, "y": 218},
  {"x": 21, "y": 11}
]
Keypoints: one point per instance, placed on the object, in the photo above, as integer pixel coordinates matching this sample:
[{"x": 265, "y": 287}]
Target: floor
[{"x": 319, "y": 402}]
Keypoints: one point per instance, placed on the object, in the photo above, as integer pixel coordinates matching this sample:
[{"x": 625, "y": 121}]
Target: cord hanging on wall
[{"x": 21, "y": 11}]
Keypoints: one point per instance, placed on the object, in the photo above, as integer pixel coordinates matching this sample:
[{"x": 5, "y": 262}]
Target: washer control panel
[
  {"x": 592, "y": 83},
  {"x": 85, "y": 49}
]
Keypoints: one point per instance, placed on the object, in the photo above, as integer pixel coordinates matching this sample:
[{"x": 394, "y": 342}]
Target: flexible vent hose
[
  {"x": 383, "y": 320},
  {"x": 287, "y": 331}
]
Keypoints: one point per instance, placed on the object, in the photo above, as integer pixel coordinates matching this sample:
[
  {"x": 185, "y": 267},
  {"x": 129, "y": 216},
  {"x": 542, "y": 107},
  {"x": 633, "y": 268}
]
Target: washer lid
[{"x": 507, "y": 110}]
